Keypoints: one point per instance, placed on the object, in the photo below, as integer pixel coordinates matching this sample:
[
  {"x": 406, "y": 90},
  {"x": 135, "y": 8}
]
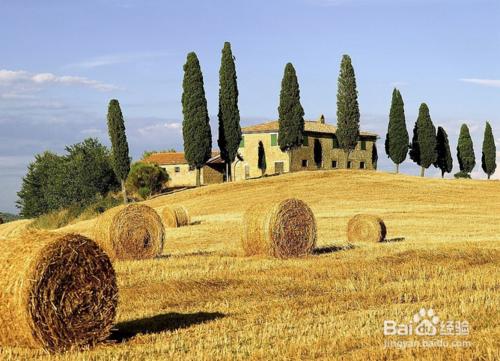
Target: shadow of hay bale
[
  {"x": 124, "y": 331},
  {"x": 332, "y": 249},
  {"x": 195, "y": 223},
  {"x": 397, "y": 239}
]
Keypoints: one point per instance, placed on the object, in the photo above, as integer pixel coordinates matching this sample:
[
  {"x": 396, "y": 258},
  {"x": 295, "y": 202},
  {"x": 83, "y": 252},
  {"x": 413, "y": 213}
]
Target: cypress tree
[
  {"x": 119, "y": 146},
  {"x": 444, "y": 160},
  {"x": 488, "y": 159},
  {"x": 229, "y": 114},
  {"x": 374, "y": 156},
  {"x": 423, "y": 145},
  {"x": 262, "y": 158},
  {"x": 291, "y": 113},
  {"x": 465, "y": 151},
  {"x": 396, "y": 141},
  {"x": 347, "y": 108},
  {"x": 195, "y": 125}
]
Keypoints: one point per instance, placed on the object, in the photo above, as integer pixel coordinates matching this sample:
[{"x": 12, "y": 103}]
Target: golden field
[{"x": 204, "y": 301}]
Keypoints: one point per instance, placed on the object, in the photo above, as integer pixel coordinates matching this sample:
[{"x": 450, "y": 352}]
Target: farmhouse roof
[
  {"x": 313, "y": 126},
  {"x": 174, "y": 158}
]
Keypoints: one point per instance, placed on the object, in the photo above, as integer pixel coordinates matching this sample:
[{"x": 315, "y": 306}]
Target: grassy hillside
[{"x": 204, "y": 301}]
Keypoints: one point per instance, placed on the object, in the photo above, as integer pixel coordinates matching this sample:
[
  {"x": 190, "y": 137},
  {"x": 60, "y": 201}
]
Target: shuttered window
[{"x": 274, "y": 140}]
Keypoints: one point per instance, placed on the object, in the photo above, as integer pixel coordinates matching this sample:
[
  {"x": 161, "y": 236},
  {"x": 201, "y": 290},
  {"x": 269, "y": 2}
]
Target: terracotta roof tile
[{"x": 170, "y": 158}]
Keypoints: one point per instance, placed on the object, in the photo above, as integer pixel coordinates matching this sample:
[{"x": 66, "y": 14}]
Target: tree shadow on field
[
  {"x": 195, "y": 223},
  {"x": 332, "y": 249},
  {"x": 124, "y": 331},
  {"x": 397, "y": 239}
]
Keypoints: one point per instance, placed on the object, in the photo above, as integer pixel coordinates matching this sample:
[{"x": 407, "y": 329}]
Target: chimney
[{"x": 321, "y": 119}]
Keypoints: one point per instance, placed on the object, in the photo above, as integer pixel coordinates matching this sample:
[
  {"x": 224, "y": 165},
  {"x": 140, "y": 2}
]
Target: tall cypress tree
[
  {"x": 291, "y": 113},
  {"x": 229, "y": 114},
  {"x": 396, "y": 141},
  {"x": 195, "y": 125},
  {"x": 347, "y": 108},
  {"x": 488, "y": 159},
  {"x": 423, "y": 145},
  {"x": 465, "y": 150},
  {"x": 261, "y": 163},
  {"x": 119, "y": 146},
  {"x": 444, "y": 160}
]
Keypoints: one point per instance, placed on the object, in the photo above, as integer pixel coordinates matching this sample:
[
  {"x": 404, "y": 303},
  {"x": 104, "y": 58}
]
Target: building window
[
  {"x": 177, "y": 169},
  {"x": 335, "y": 142},
  {"x": 334, "y": 164},
  {"x": 349, "y": 164},
  {"x": 361, "y": 165},
  {"x": 363, "y": 145},
  {"x": 305, "y": 141},
  {"x": 274, "y": 140},
  {"x": 304, "y": 163},
  {"x": 242, "y": 143}
]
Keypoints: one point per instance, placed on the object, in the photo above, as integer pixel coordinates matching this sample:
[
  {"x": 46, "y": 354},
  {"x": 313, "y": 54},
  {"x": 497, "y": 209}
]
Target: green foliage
[
  {"x": 195, "y": 126},
  {"x": 119, "y": 145},
  {"x": 291, "y": 113},
  {"x": 465, "y": 150},
  {"x": 229, "y": 115},
  {"x": 423, "y": 145},
  {"x": 54, "y": 182},
  {"x": 396, "y": 141},
  {"x": 488, "y": 159},
  {"x": 262, "y": 164},
  {"x": 462, "y": 174},
  {"x": 444, "y": 160},
  {"x": 8, "y": 217},
  {"x": 374, "y": 156},
  {"x": 347, "y": 107},
  {"x": 146, "y": 179}
]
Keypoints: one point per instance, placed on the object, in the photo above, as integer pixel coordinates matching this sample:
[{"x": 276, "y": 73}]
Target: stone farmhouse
[{"x": 320, "y": 150}]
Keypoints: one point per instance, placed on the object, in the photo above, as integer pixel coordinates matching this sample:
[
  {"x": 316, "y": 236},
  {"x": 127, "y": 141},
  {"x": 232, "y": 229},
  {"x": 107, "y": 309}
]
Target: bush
[
  {"x": 146, "y": 179},
  {"x": 462, "y": 174}
]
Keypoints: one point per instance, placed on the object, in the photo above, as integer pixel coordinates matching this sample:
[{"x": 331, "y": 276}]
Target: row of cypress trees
[{"x": 430, "y": 147}]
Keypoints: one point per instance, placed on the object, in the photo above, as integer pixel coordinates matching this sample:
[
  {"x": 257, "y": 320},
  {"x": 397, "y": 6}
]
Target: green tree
[
  {"x": 229, "y": 114},
  {"x": 146, "y": 179},
  {"x": 119, "y": 146},
  {"x": 374, "y": 156},
  {"x": 347, "y": 108},
  {"x": 291, "y": 113},
  {"x": 465, "y": 151},
  {"x": 444, "y": 160},
  {"x": 423, "y": 145},
  {"x": 195, "y": 126},
  {"x": 262, "y": 164},
  {"x": 396, "y": 141},
  {"x": 488, "y": 159}
]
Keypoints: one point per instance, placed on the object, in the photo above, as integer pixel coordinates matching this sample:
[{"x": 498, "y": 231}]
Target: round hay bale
[
  {"x": 283, "y": 229},
  {"x": 134, "y": 231},
  {"x": 175, "y": 216},
  {"x": 366, "y": 228},
  {"x": 58, "y": 292}
]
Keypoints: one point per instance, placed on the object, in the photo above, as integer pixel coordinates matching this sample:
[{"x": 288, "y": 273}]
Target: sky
[{"x": 62, "y": 61}]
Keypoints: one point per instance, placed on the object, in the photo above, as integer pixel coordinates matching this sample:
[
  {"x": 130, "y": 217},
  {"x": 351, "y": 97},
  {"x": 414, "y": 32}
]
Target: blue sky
[{"x": 62, "y": 61}]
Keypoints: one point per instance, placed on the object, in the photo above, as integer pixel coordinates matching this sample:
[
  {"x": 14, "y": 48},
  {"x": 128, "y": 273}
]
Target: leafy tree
[
  {"x": 146, "y": 179},
  {"x": 423, "y": 145},
  {"x": 444, "y": 160},
  {"x": 465, "y": 151},
  {"x": 229, "y": 114},
  {"x": 262, "y": 164},
  {"x": 347, "y": 108},
  {"x": 119, "y": 145},
  {"x": 195, "y": 126},
  {"x": 396, "y": 141},
  {"x": 488, "y": 159},
  {"x": 291, "y": 113}
]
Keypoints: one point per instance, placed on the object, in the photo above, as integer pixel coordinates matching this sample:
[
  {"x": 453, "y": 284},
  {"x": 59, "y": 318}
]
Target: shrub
[
  {"x": 146, "y": 179},
  {"x": 462, "y": 174}
]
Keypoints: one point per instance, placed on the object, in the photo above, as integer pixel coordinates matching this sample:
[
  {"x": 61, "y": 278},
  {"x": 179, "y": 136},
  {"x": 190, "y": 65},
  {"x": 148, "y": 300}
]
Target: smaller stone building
[{"x": 182, "y": 175}]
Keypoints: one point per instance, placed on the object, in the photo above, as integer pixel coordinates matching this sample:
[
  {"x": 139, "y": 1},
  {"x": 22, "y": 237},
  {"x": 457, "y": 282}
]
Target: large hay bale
[
  {"x": 283, "y": 229},
  {"x": 175, "y": 216},
  {"x": 56, "y": 292},
  {"x": 130, "y": 232},
  {"x": 366, "y": 228}
]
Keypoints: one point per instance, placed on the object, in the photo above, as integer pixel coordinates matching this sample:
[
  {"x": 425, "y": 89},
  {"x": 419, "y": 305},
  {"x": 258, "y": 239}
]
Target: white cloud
[
  {"x": 495, "y": 83},
  {"x": 114, "y": 59},
  {"x": 159, "y": 127},
  {"x": 20, "y": 82}
]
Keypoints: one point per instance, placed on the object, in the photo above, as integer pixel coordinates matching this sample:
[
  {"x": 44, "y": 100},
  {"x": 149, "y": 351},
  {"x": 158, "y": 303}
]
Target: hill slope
[{"x": 205, "y": 301}]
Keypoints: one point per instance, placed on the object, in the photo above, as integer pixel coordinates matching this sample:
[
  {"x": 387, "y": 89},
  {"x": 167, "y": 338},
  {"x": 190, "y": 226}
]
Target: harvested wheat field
[{"x": 204, "y": 300}]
